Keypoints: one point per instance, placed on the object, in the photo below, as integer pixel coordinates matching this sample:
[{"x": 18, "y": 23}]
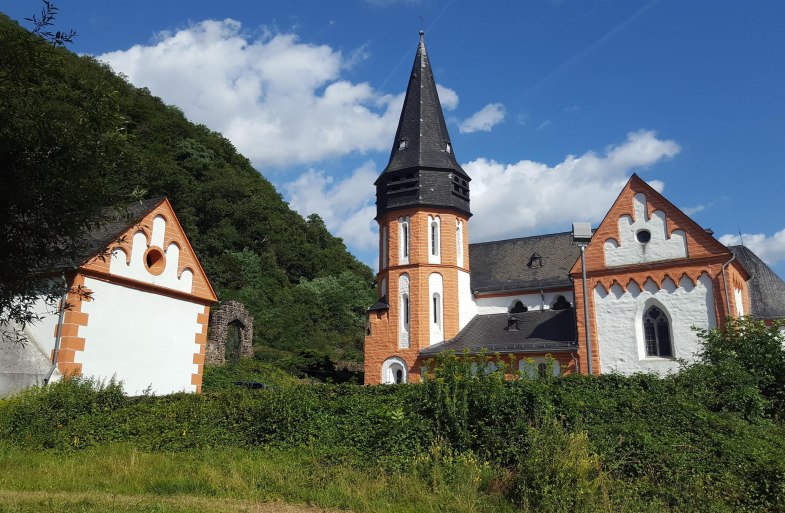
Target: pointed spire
[
  {"x": 422, "y": 139},
  {"x": 422, "y": 169}
]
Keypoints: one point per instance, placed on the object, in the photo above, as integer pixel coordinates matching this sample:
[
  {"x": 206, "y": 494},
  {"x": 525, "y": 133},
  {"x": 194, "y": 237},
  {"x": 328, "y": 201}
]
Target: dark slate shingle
[
  {"x": 504, "y": 265},
  {"x": 767, "y": 290},
  {"x": 100, "y": 238},
  {"x": 539, "y": 331}
]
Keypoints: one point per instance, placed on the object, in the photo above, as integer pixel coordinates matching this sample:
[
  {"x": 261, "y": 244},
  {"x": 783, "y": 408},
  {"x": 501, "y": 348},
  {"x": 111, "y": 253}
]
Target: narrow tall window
[
  {"x": 384, "y": 247},
  {"x": 404, "y": 312},
  {"x": 434, "y": 235},
  {"x": 434, "y": 239},
  {"x": 459, "y": 242},
  {"x": 437, "y": 309},
  {"x": 657, "y": 333},
  {"x": 403, "y": 242}
]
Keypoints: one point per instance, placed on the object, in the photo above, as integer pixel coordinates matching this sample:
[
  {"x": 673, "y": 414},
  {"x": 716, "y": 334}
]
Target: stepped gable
[
  {"x": 512, "y": 265},
  {"x": 422, "y": 170},
  {"x": 767, "y": 290},
  {"x": 532, "y": 332}
]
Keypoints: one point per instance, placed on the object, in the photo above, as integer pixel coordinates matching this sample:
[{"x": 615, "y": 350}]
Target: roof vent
[{"x": 535, "y": 261}]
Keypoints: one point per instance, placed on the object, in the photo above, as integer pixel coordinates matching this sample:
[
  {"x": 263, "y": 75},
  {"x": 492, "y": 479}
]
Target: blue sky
[{"x": 551, "y": 104}]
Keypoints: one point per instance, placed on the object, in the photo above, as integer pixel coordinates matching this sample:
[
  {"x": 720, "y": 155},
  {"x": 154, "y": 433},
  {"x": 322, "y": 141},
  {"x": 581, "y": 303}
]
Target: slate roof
[
  {"x": 423, "y": 171},
  {"x": 505, "y": 265},
  {"x": 767, "y": 290},
  {"x": 381, "y": 304},
  {"x": 102, "y": 236},
  {"x": 538, "y": 332}
]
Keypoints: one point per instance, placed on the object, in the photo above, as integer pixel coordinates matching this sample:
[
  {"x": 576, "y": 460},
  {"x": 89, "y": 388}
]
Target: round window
[
  {"x": 154, "y": 260},
  {"x": 643, "y": 236}
]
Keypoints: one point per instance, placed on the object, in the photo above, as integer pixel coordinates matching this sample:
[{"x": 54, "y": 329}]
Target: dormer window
[
  {"x": 449, "y": 148},
  {"x": 535, "y": 261},
  {"x": 402, "y": 144}
]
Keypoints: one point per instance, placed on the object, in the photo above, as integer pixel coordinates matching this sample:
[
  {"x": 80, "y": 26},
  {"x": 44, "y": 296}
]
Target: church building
[
  {"x": 652, "y": 273},
  {"x": 138, "y": 303}
]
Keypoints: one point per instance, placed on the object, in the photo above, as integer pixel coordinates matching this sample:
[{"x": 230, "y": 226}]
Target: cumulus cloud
[
  {"x": 346, "y": 206},
  {"x": 484, "y": 119},
  {"x": 447, "y": 97},
  {"x": 770, "y": 249},
  {"x": 526, "y": 197},
  {"x": 280, "y": 101}
]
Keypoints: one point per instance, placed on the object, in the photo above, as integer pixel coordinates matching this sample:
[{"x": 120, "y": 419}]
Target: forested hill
[{"x": 306, "y": 292}]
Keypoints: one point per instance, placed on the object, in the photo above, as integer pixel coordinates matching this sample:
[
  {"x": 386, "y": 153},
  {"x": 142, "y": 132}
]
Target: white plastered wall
[
  {"x": 619, "y": 320},
  {"x": 467, "y": 308},
  {"x": 739, "y": 300},
  {"x": 142, "y": 338},
  {"x": 661, "y": 247},
  {"x": 534, "y": 301}
]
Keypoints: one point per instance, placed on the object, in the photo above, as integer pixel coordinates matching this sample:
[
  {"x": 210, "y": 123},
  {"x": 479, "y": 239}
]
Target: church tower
[{"x": 422, "y": 207}]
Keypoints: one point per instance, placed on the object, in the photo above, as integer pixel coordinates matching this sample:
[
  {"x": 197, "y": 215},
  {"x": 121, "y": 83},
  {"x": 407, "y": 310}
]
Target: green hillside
[{"x": 307, "y": 293}]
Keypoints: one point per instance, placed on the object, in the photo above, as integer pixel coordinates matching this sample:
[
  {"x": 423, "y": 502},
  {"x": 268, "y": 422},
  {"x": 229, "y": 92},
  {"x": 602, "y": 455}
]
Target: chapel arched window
[{"x": 657, "y": 333}]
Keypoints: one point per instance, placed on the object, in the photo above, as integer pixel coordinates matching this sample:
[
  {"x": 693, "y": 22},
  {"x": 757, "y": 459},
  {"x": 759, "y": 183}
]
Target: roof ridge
[{"x": 528, "y": 237}]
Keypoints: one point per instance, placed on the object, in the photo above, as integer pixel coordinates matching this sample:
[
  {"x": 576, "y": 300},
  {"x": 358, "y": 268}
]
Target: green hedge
[{"x": 705, "y": 439}]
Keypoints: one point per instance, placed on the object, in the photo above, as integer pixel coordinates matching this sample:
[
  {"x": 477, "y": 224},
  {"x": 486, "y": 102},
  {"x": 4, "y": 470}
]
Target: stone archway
[{"x": 230, "y": 334}]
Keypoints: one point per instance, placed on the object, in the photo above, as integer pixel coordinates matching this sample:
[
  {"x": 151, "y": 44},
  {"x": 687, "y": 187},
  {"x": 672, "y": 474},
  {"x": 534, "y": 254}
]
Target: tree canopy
[{"x": 76, "y": 138}]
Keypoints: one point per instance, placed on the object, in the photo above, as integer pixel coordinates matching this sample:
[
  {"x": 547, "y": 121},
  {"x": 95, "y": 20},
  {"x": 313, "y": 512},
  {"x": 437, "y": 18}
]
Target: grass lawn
[{"x": 123, "y": 479}]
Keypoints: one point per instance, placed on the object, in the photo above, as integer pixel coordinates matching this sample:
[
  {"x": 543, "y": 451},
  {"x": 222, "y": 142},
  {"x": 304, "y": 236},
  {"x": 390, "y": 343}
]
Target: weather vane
[{"x": 422, "y": 20}]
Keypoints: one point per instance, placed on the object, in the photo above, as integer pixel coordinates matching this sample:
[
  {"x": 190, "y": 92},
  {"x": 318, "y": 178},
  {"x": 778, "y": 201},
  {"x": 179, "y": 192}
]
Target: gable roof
[
  {"x": 101, "y": 237},
  {"x": 538, "y": 332},
  {"x": 505, "y": 265},
  {"x": 767, "y": 290},
  {"x": 699, "y": 242}
]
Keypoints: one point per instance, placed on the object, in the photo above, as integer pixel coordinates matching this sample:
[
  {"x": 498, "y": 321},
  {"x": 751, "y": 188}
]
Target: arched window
[
  {"x": 404, "y": 312},
  {"x": 384, "y": 247},
  {"x": 539, "y": 368},
  {"x": 403, "y": 222},
  {"x": 394, "y": 371},
  {"x": 437, "y": 309},
  {"x": 657, "y": 333},
  {"x": 561, "y": 303},
  {"x": 434, "y": 240},
  {"x": 459, "y": 242},
  {"x": 517, "y": 307}
]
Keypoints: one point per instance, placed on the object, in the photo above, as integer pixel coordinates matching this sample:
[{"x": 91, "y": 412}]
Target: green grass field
[{"x": 122, "y": 479}]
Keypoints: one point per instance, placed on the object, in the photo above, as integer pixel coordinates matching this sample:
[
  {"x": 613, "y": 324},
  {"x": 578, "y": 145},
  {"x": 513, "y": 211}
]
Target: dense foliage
[
  {"x": 74, "y": 137},
  {"x": 686, "y": 442}
]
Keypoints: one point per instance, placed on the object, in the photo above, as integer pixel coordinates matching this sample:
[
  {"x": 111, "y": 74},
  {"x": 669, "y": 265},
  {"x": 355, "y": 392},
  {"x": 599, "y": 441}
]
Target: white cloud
[
  {"x": 544, "y": 124},
  {"x": 280, "y": 101},
  {"x": 447, "y": 97},
  {"x": 484, "y": 119},
  {"x": 691, "y": 211},
  {"x": 770, "y": 249},
  {"x": 512, "y": 200},
  {"x": 346, "y": 206}
]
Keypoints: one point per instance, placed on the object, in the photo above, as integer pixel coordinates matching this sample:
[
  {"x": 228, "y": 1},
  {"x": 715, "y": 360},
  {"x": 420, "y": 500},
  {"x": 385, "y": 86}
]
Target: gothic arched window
[{"x": 657, "y": 333}]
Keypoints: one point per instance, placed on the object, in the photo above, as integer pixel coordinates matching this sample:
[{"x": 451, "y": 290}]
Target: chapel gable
[
  {"x": 644, "y": 228},
  {"x": 154, "y": 252}
]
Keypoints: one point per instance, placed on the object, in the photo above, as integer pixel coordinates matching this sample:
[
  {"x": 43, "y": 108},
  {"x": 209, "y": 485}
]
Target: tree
[
  {"x": 756, "y": 349},
  {"x": 61, "y": 145}
]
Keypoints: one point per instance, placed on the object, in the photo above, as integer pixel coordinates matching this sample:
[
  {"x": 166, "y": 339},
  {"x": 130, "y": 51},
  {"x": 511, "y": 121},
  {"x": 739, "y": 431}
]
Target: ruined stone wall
[{"x": 221, "y": 317}]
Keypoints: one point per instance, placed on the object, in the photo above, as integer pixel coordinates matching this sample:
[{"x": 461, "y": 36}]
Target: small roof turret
[{"x": 422, "y": 169}]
